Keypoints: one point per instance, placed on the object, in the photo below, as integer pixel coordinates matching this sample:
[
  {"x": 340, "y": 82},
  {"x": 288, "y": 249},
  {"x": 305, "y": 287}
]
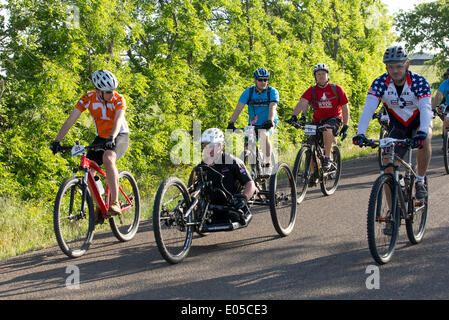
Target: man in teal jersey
[
  {"x": 262, "y": 101},
  {"x": 443, "y": 92}
]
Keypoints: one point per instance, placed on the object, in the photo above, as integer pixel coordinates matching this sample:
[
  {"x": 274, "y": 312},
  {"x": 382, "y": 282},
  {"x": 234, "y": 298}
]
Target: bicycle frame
[
  {"x": 199, "y": 196},
  {"x": 389, "y": 143},
  {"x": 312, "y": 140}
]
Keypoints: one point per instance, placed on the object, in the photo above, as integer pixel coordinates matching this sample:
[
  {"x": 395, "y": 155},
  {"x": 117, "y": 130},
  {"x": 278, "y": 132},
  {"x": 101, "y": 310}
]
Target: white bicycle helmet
[
  {"x": 104, "y": 80},
  {"x": 213, "y": 135},
  {"x": 320, "y": 66}
]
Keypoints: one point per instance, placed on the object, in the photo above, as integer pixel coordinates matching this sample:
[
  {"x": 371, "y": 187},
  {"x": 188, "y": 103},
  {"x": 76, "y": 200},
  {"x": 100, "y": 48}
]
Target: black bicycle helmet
[{"x": 395, "y": 54}]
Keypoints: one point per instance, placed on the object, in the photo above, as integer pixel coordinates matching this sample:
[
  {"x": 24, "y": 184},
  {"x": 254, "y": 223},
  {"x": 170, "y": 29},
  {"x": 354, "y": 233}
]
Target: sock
[{"x": 419, "y": 179}]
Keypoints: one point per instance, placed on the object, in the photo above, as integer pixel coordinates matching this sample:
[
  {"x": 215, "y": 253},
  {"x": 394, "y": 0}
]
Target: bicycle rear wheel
[
  {"x": 446, "y": 151},
  {"x": 301, "y": 172},
  {"x": 282, "y": 197},
  {"x": 125, "y": 225},
  {"x": 382, "y": 220},
  {"x": 331, "y": 177},
  {"x": 173, "y": 232},
  {"x": 416, "y": 222},
  {"x": 73, "y": 223}
]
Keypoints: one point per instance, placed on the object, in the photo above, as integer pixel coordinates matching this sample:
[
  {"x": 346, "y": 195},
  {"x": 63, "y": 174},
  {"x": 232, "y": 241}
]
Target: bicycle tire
[
  {"x": 282, "y": 195},
  {"x": 333, "y": 174},
  {"x": 301, "y": 172},
  {"x": 172, "y": 220},
  {"x": 445, "y": 151},
  {"x": 418, "y": 217},
  {"x": 74, "y": 232},
  {"x": 125, "y": 226},
  {"x": 379, "y": 221}
]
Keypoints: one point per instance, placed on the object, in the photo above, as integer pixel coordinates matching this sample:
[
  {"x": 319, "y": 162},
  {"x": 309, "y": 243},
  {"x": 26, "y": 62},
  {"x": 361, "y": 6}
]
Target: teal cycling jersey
[
  {"x": 444, "y": 89},
  {"x": 259, "y": 104}
]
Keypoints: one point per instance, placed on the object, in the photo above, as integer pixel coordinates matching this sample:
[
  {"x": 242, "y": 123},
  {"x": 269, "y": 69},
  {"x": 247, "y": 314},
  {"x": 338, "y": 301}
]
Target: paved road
[{"x": 326, "y": 256}]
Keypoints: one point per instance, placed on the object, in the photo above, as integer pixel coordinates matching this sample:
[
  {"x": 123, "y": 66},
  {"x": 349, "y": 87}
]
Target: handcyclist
[
  {"x": 262, "y": 101},
  {"x": 407, "y": 97},
  {"x": 237, "y": 182},
  {"x": 107, "y": 108},
  {"x": 330, "y": 106}
]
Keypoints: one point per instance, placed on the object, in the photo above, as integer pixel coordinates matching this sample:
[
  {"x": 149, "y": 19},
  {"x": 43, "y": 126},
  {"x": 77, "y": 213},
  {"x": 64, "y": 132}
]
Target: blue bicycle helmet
[{"x": 261, "y": 73}]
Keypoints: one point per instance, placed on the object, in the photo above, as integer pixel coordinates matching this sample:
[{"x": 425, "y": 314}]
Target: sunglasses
[
  {"x": 262, "y": 79},
  {"x": 108, "y": 92}
]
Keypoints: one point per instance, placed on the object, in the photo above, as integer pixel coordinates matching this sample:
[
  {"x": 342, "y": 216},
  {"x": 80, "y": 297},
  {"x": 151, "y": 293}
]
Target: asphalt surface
[{"x": 325, "y": 257}]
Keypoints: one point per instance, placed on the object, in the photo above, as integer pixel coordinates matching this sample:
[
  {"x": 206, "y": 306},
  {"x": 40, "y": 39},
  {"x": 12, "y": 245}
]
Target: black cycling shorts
[
  {"x": 334, "y": 123},
  {"x": 121, "y": 145}
]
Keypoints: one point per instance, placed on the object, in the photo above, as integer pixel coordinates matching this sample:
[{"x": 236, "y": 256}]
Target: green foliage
[{"x": 430, "y": 23}]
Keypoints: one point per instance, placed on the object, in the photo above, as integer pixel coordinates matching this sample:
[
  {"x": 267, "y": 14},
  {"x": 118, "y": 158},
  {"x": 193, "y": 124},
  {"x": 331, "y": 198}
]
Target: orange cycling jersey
[{"x": 104, "y": 115}]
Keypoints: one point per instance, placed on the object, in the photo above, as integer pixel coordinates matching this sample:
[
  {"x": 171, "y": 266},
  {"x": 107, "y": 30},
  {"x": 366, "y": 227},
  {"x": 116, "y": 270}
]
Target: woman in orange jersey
[{"x": 107, "y": 108}]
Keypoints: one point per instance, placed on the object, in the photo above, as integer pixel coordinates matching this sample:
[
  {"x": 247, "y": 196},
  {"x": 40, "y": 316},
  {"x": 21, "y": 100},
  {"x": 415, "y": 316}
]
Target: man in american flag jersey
[{"x": 407, "y": 98}]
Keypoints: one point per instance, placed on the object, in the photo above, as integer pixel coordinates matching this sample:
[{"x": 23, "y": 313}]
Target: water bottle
[{"x": 99, "y": 185}]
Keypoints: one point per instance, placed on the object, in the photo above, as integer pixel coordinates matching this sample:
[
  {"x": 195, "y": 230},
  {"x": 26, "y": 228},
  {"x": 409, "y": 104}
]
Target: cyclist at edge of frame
[
  {"x": 236, "y": 179},
  {"x": 107, "y": 108},
  {"x": 330, "y": 108},
  {"x": 407, "y": 96},
  {"x": 262, "y": 101}
]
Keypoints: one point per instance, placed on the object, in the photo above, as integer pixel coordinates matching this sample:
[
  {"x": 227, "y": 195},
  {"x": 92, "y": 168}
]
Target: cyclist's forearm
[
  {"x": 371, "y": 103},
  {"x": 345, "y": 113},
  {"x": 437, "y": 99},
  {"x": 301, "y": 106},
  {"x": 117, "y": 123},
  {"x": 236, "y": 113},
  {"x": 249, "y": 189},
  {"x": 271, "y": 111}
]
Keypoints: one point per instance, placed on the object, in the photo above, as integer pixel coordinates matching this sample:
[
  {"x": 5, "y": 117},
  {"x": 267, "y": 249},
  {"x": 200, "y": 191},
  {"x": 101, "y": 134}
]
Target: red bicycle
[{"x": 74, "y": 211}]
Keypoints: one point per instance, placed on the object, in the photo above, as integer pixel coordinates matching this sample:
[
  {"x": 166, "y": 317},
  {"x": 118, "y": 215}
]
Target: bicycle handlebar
[
  {"x": 386, "y": 142},
  {"x": 301, "y": 124},
  {"x": 95, "y": 147}
]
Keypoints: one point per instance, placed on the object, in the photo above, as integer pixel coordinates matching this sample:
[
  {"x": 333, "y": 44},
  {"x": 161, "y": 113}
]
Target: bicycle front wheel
[
  {"x": 125, "y": 225},
  {"x": 416, "y": 221},
  {"x": 73, "y": 218},
  {"x": 331, "y": 177},
  {"x": 283, "y": 199},
  {"x": 173, "y": 232},
  {"x": 383, "y": 221},
  {"x": 301, "y": 172}
]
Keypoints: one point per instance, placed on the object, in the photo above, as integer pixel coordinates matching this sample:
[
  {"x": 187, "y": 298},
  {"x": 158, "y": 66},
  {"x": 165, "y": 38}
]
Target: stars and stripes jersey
[
  {"x": 103, "y": 115},
  {"x": 414, "y": 100}
]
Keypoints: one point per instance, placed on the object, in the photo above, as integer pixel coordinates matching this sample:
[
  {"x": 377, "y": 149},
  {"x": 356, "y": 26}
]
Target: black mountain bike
[
  {"x": 393, "y": 199},
  {"x": 307, "y": 169}
]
